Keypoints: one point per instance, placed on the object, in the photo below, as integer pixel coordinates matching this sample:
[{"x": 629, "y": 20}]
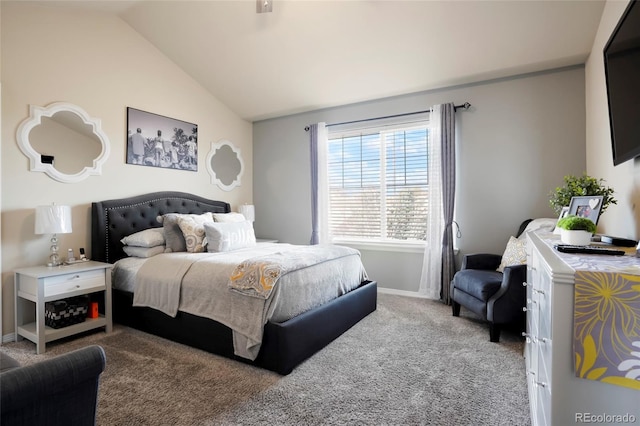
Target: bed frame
[{"x": 285, "y": 344}]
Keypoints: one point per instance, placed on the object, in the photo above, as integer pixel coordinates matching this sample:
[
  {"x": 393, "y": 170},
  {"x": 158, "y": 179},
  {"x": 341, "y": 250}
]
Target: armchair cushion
[{"x": 480, "y": 284}]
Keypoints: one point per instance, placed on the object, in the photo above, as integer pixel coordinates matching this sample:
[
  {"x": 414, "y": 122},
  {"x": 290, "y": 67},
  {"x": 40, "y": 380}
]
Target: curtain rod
[{"x": 465, "y": 105}]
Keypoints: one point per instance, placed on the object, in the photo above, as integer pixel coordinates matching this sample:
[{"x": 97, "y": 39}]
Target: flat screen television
[{"x": 622, "y": 74}]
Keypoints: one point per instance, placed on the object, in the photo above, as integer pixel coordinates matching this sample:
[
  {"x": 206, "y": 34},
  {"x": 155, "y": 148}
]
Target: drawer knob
[
  {"x": 538, "y": 291},
  {"x": 541, "y": 384},
  {"x": 525, "y": 284},
  {"x": 525, "y": 309},
  {"x": 75, "y": 277}
]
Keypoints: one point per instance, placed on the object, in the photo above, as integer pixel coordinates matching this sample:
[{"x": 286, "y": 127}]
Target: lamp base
[{"x": 54, "y": 257}]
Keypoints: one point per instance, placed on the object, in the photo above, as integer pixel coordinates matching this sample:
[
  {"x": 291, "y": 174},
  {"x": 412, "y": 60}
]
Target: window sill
[
  {"x": 405, "y": 247},
  {"x": 400, "y": 247}
]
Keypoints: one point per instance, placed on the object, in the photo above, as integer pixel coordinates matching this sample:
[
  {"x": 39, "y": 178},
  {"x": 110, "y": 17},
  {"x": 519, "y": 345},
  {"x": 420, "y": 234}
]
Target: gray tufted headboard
[{"x": 112, "y": 220}]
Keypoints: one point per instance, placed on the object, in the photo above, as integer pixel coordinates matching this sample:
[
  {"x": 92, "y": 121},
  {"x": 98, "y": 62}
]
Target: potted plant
[
  {"x": 584, "y": 185},
  {"x": 575, "y": 230}
]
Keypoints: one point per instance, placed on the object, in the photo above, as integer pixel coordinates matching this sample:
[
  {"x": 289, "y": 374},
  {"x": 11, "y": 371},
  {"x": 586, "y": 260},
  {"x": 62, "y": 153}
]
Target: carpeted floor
[{"x": 408, "y": 363}]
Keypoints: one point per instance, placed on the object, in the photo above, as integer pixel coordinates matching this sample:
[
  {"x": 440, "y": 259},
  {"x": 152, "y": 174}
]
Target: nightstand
[{"x": 37, "y": 285}]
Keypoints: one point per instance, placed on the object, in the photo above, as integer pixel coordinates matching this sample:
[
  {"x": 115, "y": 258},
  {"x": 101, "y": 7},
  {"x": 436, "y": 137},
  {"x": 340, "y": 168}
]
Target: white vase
[{"x": 575, "y": 238}]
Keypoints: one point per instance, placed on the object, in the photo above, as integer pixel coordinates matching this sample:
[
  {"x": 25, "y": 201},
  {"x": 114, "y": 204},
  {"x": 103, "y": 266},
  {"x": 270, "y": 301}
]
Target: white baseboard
[
  {"x": 402, "y": 293},
  {"x": 8, "y": 338}
]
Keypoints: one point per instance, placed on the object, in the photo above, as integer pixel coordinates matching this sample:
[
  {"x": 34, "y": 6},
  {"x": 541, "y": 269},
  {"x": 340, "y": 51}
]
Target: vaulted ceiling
[{"x": 307, "y": 55}]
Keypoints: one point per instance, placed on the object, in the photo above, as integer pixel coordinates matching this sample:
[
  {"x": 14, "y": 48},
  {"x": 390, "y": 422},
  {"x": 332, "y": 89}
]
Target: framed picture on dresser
[{"x": 588, "y": 206}]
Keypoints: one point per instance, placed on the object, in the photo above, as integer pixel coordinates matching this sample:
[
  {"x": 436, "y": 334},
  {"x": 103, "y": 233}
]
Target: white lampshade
[
  {"x": 248, "y": 211},
  {"x": 53, "y": 219}
]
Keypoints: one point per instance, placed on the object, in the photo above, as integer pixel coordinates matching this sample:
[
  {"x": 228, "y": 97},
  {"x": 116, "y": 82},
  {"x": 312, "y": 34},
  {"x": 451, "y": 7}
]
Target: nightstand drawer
[{"x": 63, "y": 284}]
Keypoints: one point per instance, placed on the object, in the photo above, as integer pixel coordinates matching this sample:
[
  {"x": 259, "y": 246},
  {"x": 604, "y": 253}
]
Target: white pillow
[
  {"x": 229, "y": 236},
  {"x": 514, "y": 254},
  {"x": 151, "y": 237},
  {"x": 229, "y": 217},
  {"x": 143, "y": 251}
]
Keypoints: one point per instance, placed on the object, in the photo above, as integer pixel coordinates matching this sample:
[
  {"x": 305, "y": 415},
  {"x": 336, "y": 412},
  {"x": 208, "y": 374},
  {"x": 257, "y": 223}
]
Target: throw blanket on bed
[
  {"x": 257, "y": 276},
  {"x": 159, "y": 282}
]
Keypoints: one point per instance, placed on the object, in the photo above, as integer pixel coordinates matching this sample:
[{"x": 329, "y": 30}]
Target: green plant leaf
[{"x": 579, "y": 186}]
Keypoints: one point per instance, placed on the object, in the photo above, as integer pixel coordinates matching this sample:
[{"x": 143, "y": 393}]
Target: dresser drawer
[
  {"x": 544, "y": 361},
  {"x": 543, "y": 300},
  {"x": 543, "y": 384},
  {"x": 65, "y": 283}
]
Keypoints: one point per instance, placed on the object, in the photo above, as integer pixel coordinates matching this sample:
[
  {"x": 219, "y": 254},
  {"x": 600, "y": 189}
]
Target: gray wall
[{"x": 515, "y": 144}]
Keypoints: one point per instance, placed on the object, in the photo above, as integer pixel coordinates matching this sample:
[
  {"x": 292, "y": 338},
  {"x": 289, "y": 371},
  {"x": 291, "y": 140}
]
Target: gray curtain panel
[
  {"x": 448, "y": 144},
  {"x": 313, "y": 138}
]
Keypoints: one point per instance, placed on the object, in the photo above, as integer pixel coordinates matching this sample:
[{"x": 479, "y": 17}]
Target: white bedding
[{"x": 296, "y": 291}]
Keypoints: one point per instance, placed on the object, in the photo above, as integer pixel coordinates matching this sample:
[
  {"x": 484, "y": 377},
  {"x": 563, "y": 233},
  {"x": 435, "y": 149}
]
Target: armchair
[
  {"x": 496, "y": 294},
  {"x": 57, "y": 391}
]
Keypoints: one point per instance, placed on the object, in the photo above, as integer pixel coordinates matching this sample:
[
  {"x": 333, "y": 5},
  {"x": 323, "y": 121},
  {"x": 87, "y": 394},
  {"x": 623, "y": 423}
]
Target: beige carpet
[{"x": 408, "y": 363}]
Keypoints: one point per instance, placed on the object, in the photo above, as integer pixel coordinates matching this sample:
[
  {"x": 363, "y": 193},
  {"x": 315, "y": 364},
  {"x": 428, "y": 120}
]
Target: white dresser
[{"x": 557, "y": 397}]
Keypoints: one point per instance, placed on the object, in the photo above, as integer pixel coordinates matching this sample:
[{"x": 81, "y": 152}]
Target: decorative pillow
[
  {"x": 192, "y": 228},
  {"x": 229, "y": 217},
  {"x": 229, "y": 236},
  {"x": 143, "y": 251},
  {"x": 174, "y": 238},
  {"x": 514, "y": 254},
  {"x": 148, "y": 238}
]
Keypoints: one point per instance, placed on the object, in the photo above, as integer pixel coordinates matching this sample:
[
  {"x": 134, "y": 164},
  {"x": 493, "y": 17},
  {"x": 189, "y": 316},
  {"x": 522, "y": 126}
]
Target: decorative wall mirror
[
  {"x": 225, "y": 165},
  {"x": 63, "y": 141}
]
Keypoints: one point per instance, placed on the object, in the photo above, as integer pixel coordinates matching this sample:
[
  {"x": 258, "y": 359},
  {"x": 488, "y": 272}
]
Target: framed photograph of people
[
  {"x": 158, "y": 141},
  {"x": 587, "y": 206}
]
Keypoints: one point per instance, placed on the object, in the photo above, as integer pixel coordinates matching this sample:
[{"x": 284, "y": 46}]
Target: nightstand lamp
[
  {"x": 248, "y": 211},
  {"x": 54, "y": 220}
]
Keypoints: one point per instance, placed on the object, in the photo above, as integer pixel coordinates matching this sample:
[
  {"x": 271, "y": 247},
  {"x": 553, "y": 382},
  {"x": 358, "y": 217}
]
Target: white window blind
[{"x": 378, "y": 183}]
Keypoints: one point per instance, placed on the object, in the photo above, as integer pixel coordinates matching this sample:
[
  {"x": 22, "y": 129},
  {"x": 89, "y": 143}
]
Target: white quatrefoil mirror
[
  {"x": 63, "y": 141},
  {"x": 224, "y": 164}
]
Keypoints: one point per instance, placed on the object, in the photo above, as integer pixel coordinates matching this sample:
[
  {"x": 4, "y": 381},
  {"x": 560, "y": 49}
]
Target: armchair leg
[
  {"x": 455, "y": 307},
  {"x": 494, "y": 332}
]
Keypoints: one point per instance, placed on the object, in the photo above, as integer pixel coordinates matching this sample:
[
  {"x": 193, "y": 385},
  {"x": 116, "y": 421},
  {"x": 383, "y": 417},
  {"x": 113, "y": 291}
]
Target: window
[{"x": 378, "y": 184}]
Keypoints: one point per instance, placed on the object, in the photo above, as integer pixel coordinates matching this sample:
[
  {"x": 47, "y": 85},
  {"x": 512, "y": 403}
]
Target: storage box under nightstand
[{"x": 66, "y": 312}]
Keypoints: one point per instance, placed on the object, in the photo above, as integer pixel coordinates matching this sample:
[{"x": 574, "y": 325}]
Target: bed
[{"x": 285, "y": 343}]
